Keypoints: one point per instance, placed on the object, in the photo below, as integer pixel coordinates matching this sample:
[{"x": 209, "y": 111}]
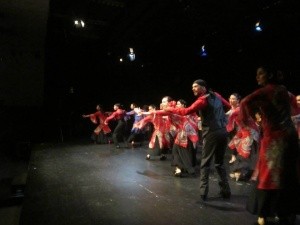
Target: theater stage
[{"x": 79, "y": 183}]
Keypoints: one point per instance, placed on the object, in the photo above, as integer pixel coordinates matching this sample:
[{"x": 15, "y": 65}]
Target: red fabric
[
  {"x": 99, "y": 118},
  {"x": 278, "y": 139},
  {"x": 161, "y": 130},
  {"x": 186, "y": 127},
  {"x": 117, "y": 115},
  {"x": 243, "y": 140},
  {"x": 224, "y": 101},
  {"x": 199, "y": 104},
  {"x": 232, "y": 119}
]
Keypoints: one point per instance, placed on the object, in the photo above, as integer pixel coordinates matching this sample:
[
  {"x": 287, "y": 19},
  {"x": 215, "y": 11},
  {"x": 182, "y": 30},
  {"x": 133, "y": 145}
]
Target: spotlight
[
  {"x": 131, "y": 55},
  {"x": 258, "y": 27},
  {"x": 203, "y": 51},
  {"x": 79, "y": 23}
]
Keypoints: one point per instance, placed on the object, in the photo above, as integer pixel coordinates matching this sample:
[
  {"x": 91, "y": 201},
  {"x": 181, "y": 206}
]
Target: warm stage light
[
  {"x": 131, "y": 54},
  {"x": 79, "y": 23},
  {"x": 258, "y": 27}
]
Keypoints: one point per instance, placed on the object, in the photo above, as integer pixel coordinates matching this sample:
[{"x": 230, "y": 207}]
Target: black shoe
[
  {"x": 203, "y": 197},
  {"x": 225, "y": 190},
  {"x": 163, "y": 157},
  {"x": 225, "y": 194}
]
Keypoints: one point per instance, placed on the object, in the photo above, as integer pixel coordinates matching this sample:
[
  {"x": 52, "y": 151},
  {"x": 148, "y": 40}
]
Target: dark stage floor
[{"x": 87, "y": 184}]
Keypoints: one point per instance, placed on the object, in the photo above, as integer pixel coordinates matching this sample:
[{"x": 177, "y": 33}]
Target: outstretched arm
[{"x": 199, "y": 104}]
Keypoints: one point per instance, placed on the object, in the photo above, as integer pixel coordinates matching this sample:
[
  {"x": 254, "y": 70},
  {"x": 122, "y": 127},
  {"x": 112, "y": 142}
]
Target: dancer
[
  {"x": 119, "y": 131},
  {"x": 231, "y": 127},
  {"x": 245, "y": 142},
  {"x": 102, "y": 130},
  {"x": 210, "y": 106},
  {"x": 135, "y": 133},
  {"x": 277, "y": 189},
  {"x": 159, "y": 144},
  {"x": 186, "y": 138}
]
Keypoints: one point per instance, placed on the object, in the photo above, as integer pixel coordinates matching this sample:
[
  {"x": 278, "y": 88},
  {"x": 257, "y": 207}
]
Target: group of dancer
[{"x": 262, "y": 130}]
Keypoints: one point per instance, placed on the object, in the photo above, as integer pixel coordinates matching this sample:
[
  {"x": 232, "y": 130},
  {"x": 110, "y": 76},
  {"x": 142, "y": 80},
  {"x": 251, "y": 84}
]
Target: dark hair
[
  {"x": 237, "y": 95},
  {"x": 119, "y": 105},
  {"x": 273, "y": 75},
  {"x": 145, "y": 107},
  {"x": 182, "y": 101},
  {"x": 100, "y": 107},
  {"x": 201, "y": 83},
  {"x": 153, "y": 106}
]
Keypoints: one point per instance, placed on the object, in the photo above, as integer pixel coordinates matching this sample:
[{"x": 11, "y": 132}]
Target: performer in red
[
  {"x": 244, "y": 142},
  {"x": 160, "y": 141},
  {"x": 210, "y": 106},
  {"x": 100, "y": 133},
  {"x": 277, "y": 190},
  {"x": 119, "y": 131},
  {"x": 185, "y": 139}
]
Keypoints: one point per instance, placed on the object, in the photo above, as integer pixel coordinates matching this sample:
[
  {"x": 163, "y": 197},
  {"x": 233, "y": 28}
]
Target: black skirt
[{"x": 269, "y": 203}]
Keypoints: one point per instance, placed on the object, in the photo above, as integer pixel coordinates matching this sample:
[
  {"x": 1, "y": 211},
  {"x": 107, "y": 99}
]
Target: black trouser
[
  {"x": 183, "y": 157},
  {"x": 214, "y": 147},
  {"x": 134, "y": 136},
  {"x": 157, "y": 151},
  {"x": 119, "y": 132}
]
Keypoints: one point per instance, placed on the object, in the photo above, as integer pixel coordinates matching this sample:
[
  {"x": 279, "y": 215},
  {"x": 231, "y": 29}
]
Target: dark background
[{"x": 166, "y": 35}]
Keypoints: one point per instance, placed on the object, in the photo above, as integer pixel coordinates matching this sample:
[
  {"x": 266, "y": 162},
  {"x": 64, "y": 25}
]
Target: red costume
[
  {"x": 99, "y": 118},
  {"x": 279, "y": 150}
]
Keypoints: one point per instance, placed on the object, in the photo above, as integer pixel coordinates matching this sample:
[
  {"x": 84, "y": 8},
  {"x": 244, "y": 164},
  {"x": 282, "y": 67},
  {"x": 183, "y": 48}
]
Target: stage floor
[{"x": 85, "y": 184}]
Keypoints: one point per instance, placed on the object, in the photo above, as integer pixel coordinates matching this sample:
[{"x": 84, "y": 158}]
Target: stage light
[
  {"x": 79, "y": 23},
  {"x": 131, "y": 54},
  {"x": 258, "y": 27},
  {"x": 82, "y": 23},
  {"x": 203, "y": 51}
]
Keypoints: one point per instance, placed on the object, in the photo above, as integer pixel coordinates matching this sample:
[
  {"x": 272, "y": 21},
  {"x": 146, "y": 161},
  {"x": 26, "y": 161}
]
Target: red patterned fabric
[
  {"x": 186, "y": 128},
  {"x": 117, "y": 115},
  {"x": 99, "y": 118},
  {"x": 278, "y": 151},
  {"x": 245, "y": 135},
  {"x": 161, "y": 130}
]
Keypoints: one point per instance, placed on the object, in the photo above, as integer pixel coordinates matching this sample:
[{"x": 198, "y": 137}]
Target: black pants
[
  {"x": 157, "y": 151},
  {"x": 183, "y": 157},
  {"x": 214, "y": 147},
  {"x": 119, "y": 132}
]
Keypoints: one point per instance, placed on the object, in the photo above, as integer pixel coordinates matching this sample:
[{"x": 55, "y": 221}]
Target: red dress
[
  {"x": 99, "y": 118},
  {"x": 279, "y": 151},
  {"x": 186, "y": 128},
  {"x": 243, "y": 140},
  {"x": 161, "y": 130}
]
